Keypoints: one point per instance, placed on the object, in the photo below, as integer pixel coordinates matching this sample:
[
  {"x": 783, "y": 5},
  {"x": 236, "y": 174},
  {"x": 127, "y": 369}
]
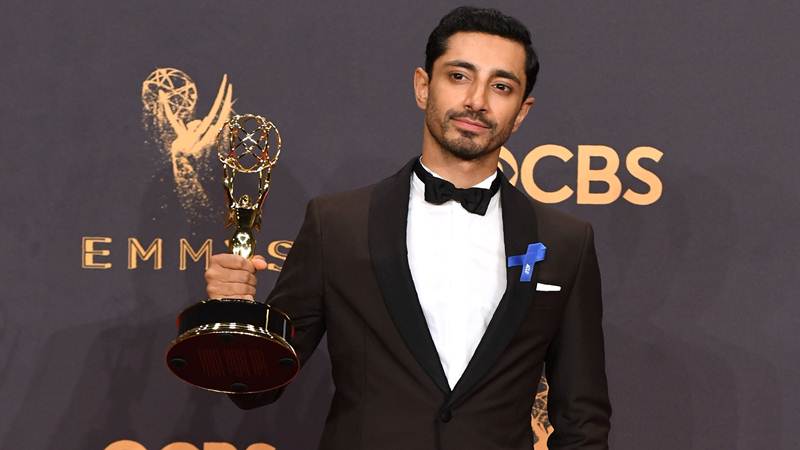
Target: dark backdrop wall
[{"x": 694, "y": 101}]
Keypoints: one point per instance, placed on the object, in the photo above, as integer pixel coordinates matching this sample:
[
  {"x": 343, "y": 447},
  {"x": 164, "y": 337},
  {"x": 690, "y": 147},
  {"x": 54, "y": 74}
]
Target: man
[{"x": 439, "y": 309}]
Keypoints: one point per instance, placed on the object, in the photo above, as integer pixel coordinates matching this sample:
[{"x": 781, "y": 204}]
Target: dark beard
[{"x": 463, "y": 147}]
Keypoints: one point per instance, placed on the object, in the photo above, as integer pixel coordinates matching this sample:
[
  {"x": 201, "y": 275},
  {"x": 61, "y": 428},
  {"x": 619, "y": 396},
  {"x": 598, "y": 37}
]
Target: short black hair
[{"x": 482, "y": 20}]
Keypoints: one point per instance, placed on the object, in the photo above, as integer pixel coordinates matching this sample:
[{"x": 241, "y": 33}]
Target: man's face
[{"x": 473, "y": 101}]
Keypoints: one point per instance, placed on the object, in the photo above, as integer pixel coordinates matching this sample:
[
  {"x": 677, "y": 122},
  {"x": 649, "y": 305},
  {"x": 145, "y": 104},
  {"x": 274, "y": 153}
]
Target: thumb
[{"x": 259, "y": 262}]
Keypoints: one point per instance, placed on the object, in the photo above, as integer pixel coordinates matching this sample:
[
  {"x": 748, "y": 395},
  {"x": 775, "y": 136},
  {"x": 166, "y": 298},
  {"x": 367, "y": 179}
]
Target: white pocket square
[{"x": 547, "y": 287}]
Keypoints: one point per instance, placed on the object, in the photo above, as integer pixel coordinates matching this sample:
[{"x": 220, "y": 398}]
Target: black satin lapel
[
  {"x": 519, "y": 230},
  {"x": 388, "y": 214}
]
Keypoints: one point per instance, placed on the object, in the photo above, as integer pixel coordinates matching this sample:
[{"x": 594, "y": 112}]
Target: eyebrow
[{"x": 497, "y": 73}]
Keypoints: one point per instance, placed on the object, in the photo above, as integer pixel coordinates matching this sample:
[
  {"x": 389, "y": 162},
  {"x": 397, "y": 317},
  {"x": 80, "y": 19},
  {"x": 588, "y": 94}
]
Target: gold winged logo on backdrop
[{"x": 169, "y": 98}]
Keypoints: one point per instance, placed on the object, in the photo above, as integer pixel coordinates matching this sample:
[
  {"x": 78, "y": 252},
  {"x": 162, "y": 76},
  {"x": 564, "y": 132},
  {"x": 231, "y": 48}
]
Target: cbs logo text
[
  {"x": 605, "y": 178},
  {"x": 133, "y": 445}
]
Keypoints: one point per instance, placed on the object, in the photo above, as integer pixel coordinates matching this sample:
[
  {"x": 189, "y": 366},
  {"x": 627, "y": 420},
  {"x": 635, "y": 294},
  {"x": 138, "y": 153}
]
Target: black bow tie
[{"x": 438, "y": 191}]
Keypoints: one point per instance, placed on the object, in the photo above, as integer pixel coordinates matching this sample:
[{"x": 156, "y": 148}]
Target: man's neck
[{"x": 463, "y": 174}]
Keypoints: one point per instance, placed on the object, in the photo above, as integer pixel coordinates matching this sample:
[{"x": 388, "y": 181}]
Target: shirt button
[{"x": 445, "y": 415}]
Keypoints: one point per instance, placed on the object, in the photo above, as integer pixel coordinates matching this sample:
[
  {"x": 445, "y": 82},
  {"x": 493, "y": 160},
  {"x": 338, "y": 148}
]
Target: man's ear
[
  {"x": 527, "y": 104},
  {"x": 421, "y": 83}
]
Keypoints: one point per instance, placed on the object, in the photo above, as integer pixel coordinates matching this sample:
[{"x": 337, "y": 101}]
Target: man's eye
[
  {"x": 503, "y": 87},
  {"x": 457, "y": 76}
]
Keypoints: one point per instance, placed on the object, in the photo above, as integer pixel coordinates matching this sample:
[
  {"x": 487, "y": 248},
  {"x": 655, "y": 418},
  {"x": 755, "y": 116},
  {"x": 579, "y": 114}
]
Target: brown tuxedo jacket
[{"x": 348, "y": 275}]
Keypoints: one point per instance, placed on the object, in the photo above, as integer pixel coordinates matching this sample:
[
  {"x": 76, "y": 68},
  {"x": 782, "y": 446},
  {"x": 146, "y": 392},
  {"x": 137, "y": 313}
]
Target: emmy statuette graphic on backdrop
[{"x": 235, "y": 345}]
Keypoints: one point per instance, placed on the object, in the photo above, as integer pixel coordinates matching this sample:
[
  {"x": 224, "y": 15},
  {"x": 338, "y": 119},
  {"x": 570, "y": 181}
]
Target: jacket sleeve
[
  {"x": 578, "y": 404},
  {"x": 299, "y": 293}
]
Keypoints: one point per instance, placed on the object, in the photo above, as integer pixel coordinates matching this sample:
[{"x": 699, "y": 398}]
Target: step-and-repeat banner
[{"x": 671, "y": 126}]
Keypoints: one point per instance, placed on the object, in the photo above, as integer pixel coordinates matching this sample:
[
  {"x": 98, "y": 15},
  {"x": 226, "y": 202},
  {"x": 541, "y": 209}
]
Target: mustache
[{"x": 477, "y": 117}]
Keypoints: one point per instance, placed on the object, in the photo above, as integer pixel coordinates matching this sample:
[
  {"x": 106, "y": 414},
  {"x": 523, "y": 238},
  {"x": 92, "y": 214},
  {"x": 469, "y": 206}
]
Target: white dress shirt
[{"x": 457, "y": 261}]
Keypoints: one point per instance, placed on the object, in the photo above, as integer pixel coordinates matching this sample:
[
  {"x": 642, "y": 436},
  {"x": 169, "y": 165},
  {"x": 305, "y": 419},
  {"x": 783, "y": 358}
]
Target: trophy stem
[{"x": 243, "y": 243}]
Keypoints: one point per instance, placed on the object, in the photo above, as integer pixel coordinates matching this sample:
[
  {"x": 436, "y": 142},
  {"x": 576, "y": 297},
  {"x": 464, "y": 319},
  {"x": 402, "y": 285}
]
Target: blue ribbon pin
[{"x": 534, "y": 254}]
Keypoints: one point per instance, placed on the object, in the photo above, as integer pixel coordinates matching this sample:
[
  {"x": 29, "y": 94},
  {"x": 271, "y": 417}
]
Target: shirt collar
[{"x": 485, "y": 184}]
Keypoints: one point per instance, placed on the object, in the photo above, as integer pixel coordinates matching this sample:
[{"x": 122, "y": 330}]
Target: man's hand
[{"x": 231, "y": 276}]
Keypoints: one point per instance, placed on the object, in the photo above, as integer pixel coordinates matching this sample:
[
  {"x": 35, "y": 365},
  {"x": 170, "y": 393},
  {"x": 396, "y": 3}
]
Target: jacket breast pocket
[{"x": 548, "y": 299}]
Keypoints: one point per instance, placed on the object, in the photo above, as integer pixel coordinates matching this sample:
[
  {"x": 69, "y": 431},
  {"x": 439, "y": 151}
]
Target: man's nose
[{"x": 476, "y": 98}]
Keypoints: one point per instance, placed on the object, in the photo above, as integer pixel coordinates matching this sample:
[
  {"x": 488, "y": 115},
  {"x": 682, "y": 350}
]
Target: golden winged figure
[{"x": 170, "y": 98}]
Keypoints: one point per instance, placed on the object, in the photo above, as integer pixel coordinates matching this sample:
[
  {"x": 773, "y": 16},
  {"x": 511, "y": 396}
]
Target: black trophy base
[{"x": 233, "y": 346}]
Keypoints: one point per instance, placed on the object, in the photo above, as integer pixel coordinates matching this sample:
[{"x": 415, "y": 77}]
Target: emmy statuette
[{"x": 234, "y": 345}]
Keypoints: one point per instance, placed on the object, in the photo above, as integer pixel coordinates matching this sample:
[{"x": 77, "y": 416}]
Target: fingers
[
  {"x": 222, "y": 274},
  {"x": 259, "y": 262},
  {"x": 220, "y": 289},
  {"x": 231, "y": 276},
  {"x": 231, "y": 261}
]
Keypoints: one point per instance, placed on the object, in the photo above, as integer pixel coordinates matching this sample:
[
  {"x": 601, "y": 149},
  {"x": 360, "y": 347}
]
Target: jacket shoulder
[
  {"x": 557, "y": 225},
  {"x": 345, "y": 201}
]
